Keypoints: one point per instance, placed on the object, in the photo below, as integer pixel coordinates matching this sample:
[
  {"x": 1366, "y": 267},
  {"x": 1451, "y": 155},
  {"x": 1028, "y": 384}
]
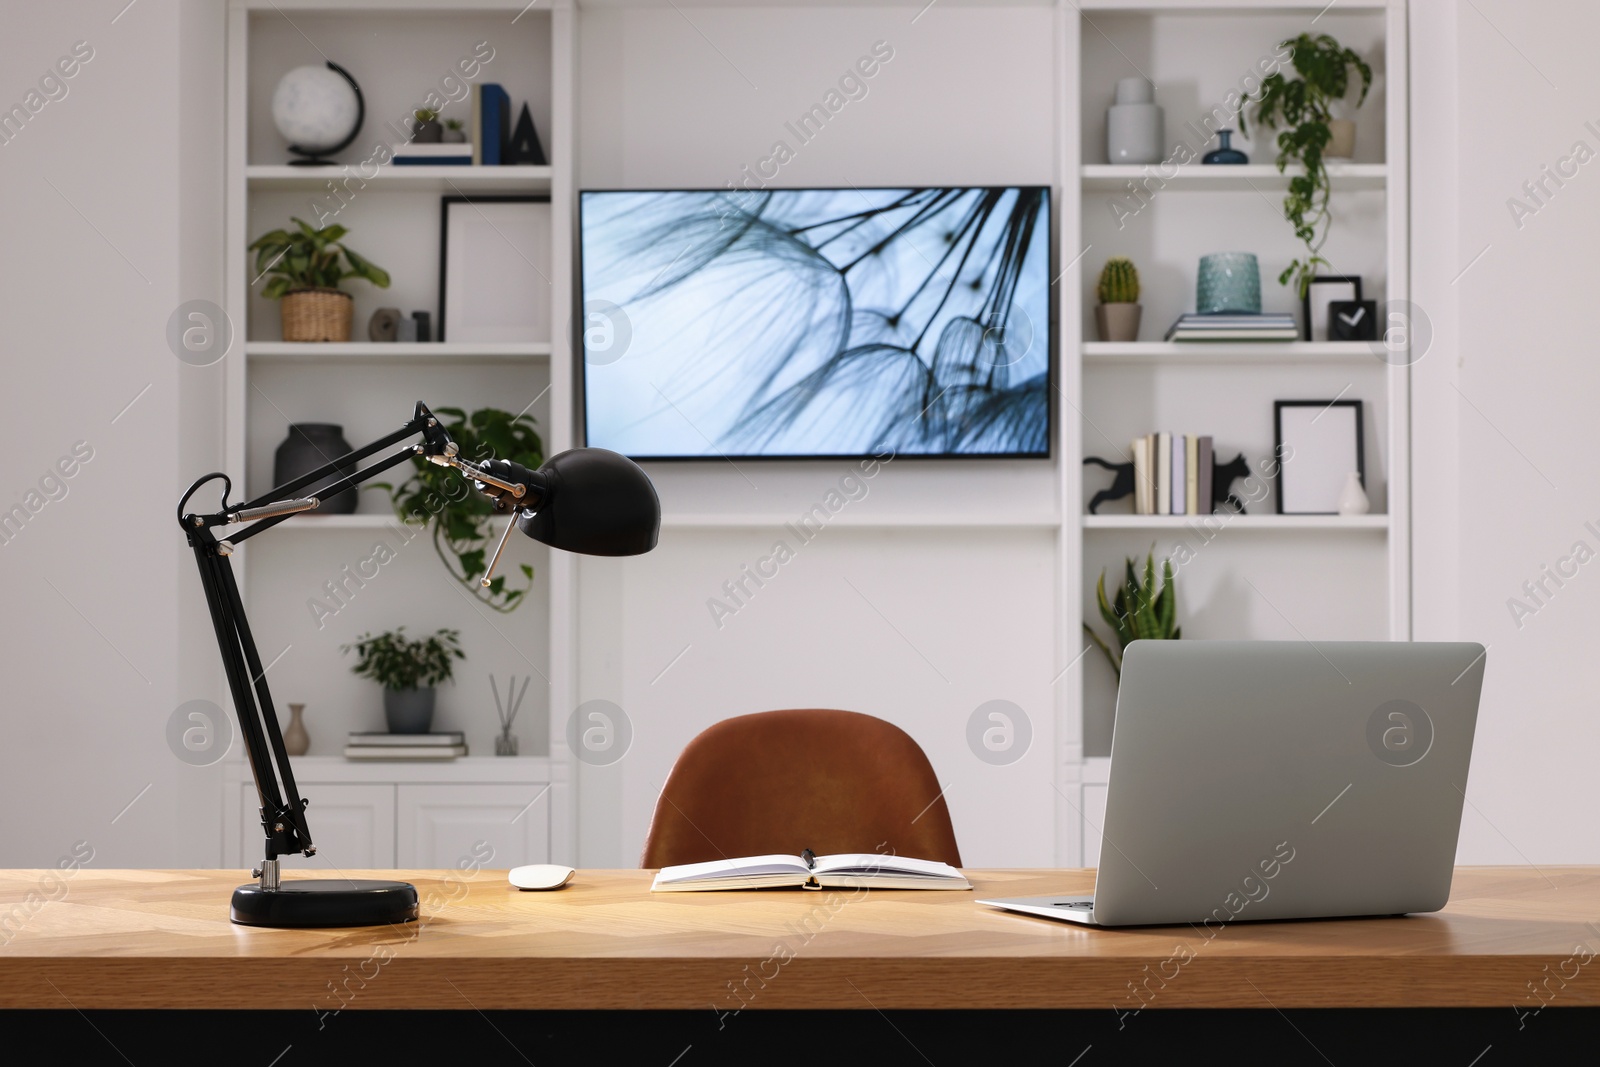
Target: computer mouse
[{"x": 540, "y": 876}]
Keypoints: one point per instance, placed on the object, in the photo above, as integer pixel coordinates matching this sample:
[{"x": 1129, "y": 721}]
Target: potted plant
[
  {"x": 1117, "y": 316},
  {"x": 1139, "y": 611},
  {"x": 307, "y": 266},
  {"x": 454, "y": 132},
  {"x": 439, "y": 497},
  {"x": 408, "y": 671},
  {"x": 1301, "y": 108},
  {"x": 426, "y": 130}
]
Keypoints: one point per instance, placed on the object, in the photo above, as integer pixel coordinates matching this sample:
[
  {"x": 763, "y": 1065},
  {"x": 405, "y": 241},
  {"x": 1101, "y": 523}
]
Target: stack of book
[
  {"x": 412, "y": 154},
  {"x": 405, "y": 746},
  {"x": 1192, "y": 327},
  {"x": 491, "y": 123},
  {"x": 1172, "y": 474}
]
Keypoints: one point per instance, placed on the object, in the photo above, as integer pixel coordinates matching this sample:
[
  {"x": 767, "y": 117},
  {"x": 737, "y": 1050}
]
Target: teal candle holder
[{"x": 1229, "y": 283}]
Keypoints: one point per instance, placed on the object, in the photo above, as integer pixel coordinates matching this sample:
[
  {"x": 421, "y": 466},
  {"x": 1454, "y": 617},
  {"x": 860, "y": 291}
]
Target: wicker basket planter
[{"x": 317, "y": 315}]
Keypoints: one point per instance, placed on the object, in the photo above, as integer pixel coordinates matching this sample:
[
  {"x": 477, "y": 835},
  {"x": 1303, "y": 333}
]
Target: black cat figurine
[
  {"x": 1223, "y": 476},
  {"x": 1121, "y": 485}
]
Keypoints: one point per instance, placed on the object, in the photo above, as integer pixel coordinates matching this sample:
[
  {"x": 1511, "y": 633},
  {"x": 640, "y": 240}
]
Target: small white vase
[
  {"x": 1353, "y": 498},
  {"x": 1134, "y": 124}
]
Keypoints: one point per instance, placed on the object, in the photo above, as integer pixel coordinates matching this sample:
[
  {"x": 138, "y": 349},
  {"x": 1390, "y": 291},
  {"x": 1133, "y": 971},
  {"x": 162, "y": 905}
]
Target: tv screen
[{"x": 793, "y": 323}]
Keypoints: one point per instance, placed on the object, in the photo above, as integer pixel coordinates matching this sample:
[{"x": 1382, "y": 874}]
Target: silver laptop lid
[{"x": 1271, "y": 780}]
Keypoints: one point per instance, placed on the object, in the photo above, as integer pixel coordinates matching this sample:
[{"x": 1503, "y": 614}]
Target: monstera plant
[{"x": 460, "y": 517}]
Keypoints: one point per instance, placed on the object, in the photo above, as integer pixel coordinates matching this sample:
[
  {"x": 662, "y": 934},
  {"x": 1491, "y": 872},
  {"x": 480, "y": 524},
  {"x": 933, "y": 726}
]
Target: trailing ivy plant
[
  {"x": 1139, "y": 610},
  {"x": 1299, "y": 108},
  {"x": 309, "y": 258},
  {"x": 440, "y": 497},
  {"x": 395, "y": 661}
]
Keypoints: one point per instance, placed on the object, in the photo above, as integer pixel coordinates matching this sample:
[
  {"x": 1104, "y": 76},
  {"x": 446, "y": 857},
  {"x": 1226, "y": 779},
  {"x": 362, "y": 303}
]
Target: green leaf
[
  {"x": 277, "y": 238},
  {"x": 276, "y": 287},
  {"x": 372, "y": 273}
]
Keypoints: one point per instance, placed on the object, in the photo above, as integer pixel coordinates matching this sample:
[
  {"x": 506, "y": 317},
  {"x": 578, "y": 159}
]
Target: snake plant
[{"x": 1139, "y": 611}]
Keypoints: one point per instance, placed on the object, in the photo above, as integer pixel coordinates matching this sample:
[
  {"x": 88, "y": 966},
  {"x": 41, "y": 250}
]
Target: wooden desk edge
[{"x": 1486, "y": 961}]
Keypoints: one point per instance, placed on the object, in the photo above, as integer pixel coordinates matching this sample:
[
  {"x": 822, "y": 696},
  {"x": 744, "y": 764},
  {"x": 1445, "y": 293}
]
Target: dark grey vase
[
  {"x": 430, "y": 132},
  {"x": 308, "y": 446},
  {"x": 408, "y": 711}
]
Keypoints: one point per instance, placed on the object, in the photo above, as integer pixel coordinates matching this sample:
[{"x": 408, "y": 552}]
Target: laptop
[{"x": 1259, "y": 780}]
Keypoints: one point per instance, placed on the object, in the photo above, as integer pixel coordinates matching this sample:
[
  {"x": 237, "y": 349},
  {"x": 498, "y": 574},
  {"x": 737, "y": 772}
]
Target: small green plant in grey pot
[{"x": 408, "y": 671}]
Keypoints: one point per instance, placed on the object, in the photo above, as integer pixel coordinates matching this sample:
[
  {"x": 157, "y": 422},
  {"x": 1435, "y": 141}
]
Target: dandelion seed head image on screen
[{"x": 817, "y": 322}]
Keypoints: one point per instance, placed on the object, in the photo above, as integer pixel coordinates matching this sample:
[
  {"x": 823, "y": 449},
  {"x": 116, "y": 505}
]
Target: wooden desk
[{"x": 161, "y": 939}]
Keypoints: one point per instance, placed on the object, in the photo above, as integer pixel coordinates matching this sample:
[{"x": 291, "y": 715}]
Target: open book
[{"x": 846, "y": 870}]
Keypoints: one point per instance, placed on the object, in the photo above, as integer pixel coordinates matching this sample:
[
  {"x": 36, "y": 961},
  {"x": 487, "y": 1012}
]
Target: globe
[{"x": 315, "y": 108}]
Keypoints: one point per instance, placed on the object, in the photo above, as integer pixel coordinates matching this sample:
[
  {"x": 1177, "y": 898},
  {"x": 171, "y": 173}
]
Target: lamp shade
[{"x": 596, "y": 502}]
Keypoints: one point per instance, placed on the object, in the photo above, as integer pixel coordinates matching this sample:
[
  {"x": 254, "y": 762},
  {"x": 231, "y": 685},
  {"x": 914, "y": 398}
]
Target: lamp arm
[{"x": 282, "y": 808}]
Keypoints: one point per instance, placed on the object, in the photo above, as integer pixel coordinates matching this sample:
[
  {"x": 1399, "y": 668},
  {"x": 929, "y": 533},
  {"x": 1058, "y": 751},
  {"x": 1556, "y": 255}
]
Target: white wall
[
  {"x": 94, "y": 666},
  {"x": 939, "y": 622},
  {"x": 112, "y": 194},
  {"x": 1506, "y": 471}
]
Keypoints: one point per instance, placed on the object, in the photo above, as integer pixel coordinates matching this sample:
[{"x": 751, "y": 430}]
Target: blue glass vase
[
  {"x": 1229, "y": 283},
  {"x": 1225, "y": 152}
]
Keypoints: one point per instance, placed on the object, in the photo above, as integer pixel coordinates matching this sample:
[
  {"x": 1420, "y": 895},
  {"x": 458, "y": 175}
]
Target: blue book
[{"x": 495, "y": 122}]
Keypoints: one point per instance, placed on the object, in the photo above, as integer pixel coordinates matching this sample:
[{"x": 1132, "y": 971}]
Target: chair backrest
[{"x": 782, "y": 781}]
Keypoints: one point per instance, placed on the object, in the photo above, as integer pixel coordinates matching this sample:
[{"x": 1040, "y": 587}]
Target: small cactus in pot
[{"x": 1117, "y": 316}]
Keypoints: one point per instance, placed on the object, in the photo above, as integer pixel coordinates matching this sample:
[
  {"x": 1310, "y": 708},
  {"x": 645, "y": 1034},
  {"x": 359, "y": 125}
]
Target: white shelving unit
[
  {"x": 1196, "y": 177},
  {"x": 460, "y": 180},
  {"x": 1221, "y": 523},
  {"x": 1260, "y": 575},
  {"x": 1357, "y": 353},
  {"x": 397, "y": 50},
  {"x": 396, "y": 352}
]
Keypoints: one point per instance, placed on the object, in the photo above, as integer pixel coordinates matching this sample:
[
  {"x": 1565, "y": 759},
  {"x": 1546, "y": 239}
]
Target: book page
[
  {"x": 867, "y": 863},
  {"x": 743, "y": 867}
]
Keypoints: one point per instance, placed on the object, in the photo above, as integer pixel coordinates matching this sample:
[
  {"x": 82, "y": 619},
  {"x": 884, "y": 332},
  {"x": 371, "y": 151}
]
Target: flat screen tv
[{"x": 808, "y": 323}]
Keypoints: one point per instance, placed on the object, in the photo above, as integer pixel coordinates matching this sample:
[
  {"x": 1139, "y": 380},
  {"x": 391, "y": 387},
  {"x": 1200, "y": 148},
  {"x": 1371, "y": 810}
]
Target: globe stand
[{"x": 317, "y": 157}]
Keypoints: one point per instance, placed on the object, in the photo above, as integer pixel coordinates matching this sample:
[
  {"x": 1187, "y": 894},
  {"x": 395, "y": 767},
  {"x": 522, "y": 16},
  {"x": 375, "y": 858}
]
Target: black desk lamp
[{"x": 585, "y": 500}]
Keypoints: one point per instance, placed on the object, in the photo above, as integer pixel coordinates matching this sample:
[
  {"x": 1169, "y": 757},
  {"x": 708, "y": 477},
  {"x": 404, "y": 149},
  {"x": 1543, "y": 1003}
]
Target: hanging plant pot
[
  {"x": 1341, "y": 139},
  {"x": 317, "y": 315}
]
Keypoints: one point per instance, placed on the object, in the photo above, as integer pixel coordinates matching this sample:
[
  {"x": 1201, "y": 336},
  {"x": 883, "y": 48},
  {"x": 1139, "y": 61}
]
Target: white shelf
[
  {"x": 1237, "y": 522},
  {"x": 463, "y": 181},
  {"x": 952, "y": 519},
  {"x": 383, "y": 352},
  {"x": 1262, "y": 177},
  {"x": 1110, "y": 354},
  {"x": 1233, "y": 7}
]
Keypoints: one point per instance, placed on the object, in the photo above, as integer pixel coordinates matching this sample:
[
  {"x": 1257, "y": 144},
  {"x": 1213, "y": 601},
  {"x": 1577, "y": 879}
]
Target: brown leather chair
[{"x": 782, "y": 781}]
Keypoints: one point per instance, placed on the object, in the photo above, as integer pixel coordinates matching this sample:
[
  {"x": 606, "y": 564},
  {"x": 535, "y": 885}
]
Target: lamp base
[{"x": 315, "y": 902}]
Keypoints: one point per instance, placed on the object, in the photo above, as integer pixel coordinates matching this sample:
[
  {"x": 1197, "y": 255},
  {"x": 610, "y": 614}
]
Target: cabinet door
[
  {"x": 440, "y": 826},
  {"x": 351, "y": 825}
]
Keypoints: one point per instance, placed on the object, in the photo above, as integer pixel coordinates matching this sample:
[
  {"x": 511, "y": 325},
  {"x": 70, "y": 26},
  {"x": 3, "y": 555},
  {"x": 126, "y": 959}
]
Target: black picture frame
[
  {"x": 1352, "y": 280},
  {"x": 445, "y": 203},
  {"x": 1286, "y": 461},
  {"x": 1052, "y": 353}
]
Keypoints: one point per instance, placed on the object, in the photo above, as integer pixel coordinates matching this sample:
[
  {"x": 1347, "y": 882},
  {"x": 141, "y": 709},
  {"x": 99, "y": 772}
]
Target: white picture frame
[
  {"x": 1319, "y": 442},
  {"x": 494, "y": 269}
]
